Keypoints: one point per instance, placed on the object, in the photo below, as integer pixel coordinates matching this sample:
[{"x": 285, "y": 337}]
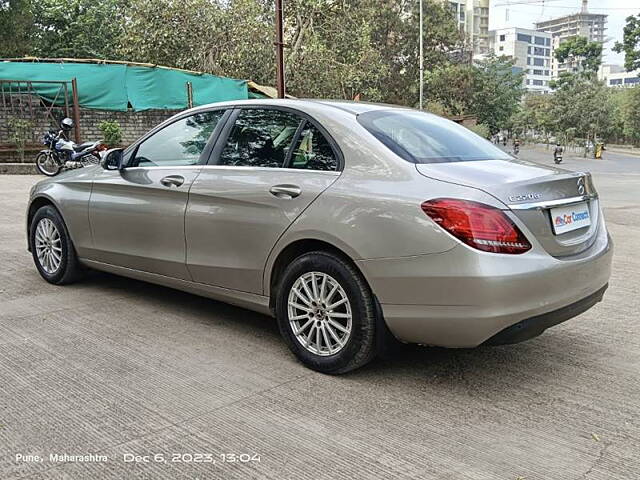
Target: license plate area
[{"x": 570, "y": 217}]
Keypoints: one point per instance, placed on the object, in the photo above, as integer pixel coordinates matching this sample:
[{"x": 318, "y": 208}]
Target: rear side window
[
  {"x": 420, "y": 137},
  {"x": 260, "y": 138},
  {"x": 313, "y": 151}
]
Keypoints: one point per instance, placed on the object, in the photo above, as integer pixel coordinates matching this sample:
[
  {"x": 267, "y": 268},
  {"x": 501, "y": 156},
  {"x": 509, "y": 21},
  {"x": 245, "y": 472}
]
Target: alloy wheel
[
  {"x": 48, "y": 245},
  {"x": 319, "y": 313}
]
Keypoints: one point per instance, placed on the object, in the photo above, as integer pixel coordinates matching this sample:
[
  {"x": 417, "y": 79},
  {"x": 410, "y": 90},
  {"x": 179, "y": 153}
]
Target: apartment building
[
  {"x": 531, "y": 51},
  {"x": 584, "y": 24},
  {"x": 472, "y": 17},
  {"x": 616, "y": 76}
]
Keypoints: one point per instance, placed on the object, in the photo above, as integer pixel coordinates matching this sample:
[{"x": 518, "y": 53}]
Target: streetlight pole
[
  {"x": 421, "y": 60},
  {"x": 280, "y": 82}
]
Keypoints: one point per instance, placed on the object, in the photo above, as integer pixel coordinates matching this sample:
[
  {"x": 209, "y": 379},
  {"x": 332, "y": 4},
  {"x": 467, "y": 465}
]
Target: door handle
[
  {"x": 172, "y": 181},
  {"x": 285, "y": 191}
]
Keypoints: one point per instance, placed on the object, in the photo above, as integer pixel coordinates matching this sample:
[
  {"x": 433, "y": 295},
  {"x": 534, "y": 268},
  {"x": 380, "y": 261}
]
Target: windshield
[{"x": 420, "y": 137}]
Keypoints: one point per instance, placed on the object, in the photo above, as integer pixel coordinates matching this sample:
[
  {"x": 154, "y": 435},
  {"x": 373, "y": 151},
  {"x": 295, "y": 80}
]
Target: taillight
[{"x": 478, "y": 225}]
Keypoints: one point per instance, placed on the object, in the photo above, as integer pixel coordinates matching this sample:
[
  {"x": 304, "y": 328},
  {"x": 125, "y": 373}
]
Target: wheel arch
[
  {"x": 36, "y": 204},
  {"x": 294, "y": 250}
]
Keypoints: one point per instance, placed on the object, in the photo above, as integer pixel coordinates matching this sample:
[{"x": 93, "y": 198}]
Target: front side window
[
  {"x": 179, "y": 143},
  {"x": 420, "y": 137},
  {"x": 260, "y": 137},
  {"x": 313, "y": 151}
]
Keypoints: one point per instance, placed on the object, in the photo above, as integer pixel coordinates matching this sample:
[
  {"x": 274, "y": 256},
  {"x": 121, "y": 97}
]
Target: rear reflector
[{"x": 478, "y": 225}]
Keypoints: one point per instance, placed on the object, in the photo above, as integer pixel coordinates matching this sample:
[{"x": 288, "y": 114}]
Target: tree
[
  {"x": 630, "y": 43},
  {"x": 583, "y": 107},
  {"x": 333, "y": 48},
  {"x": 151, "y": 32},
  {"x": 78, "y": 28},
  {"x": 497, "y": 91},
  {"x": 16, "y": 25},
  {"x": 588, "y": 55},
  {"x": 536, "y": 114},
  {"x": 489, "y": 89},
  {"x": 452, "y": 87},
  {"x": 332, "y": 51},
  {"x": 630, "y": 116}
]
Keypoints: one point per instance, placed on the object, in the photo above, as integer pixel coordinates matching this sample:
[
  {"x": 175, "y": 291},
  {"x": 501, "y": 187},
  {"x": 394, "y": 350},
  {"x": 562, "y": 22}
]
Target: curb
[{"x": 18, "y": 169}]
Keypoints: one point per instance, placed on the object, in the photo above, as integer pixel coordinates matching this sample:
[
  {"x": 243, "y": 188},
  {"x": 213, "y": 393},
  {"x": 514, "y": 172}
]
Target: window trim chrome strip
[
  {"x": 334, "y": 173},
  {"x": 553, "y": 203}
]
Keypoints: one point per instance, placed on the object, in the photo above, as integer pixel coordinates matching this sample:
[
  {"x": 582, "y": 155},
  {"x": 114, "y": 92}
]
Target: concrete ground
[{"x": 118, "y": 368}]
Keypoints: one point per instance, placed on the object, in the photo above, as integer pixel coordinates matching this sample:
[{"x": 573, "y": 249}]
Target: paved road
[
  {"x": 610, "y": 163},
  {"x": 113, "y": 366}
]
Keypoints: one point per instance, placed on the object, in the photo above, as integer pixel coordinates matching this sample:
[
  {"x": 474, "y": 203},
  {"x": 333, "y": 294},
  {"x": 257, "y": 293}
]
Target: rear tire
[
  {"x": 330, "y": 328},
  {"x": 52, "y": 249},
  {"x": 46, "y": 165}
]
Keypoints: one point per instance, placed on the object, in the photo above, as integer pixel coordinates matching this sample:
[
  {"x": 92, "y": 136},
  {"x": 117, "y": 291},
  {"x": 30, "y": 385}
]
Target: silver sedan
[{"x": 356, "y": 225}]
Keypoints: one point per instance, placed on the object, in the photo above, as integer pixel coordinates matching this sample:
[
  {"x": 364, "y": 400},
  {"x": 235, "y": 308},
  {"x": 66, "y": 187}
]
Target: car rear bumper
[
  {"x": 534, "y": 326},
  {"x": 463, "y": 298}
]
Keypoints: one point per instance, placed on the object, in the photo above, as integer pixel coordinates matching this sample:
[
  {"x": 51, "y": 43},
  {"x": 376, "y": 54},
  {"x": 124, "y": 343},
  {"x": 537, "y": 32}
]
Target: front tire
[
  {"x": 326, "y": 313},
  {"x": 46, "y": 164},
  {"x": 52, "y": 249}
]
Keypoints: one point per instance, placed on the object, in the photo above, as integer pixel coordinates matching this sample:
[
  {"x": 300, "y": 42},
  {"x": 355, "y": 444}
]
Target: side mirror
[{"x": 112, "y": 159}]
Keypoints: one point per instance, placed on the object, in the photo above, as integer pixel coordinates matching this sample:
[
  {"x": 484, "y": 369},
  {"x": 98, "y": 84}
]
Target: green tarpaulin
[{"x": 116, "y": 86}]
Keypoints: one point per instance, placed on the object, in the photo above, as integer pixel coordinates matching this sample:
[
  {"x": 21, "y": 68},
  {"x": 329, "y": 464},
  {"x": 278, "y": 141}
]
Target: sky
[{"x": 524, "y": 16}]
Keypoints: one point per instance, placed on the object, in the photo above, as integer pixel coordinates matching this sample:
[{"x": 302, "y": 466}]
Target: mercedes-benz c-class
[{"x": 354, "y": 224}]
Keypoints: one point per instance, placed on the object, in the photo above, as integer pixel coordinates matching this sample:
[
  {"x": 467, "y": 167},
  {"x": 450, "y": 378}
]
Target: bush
[
  {"x": 19, "y": 132},
  {"x": 111, "y": 132},
  {"x": 480, "y": 129}
]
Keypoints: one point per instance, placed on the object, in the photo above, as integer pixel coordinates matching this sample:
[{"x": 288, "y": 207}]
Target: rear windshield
[{"x": 420, "y": 137}]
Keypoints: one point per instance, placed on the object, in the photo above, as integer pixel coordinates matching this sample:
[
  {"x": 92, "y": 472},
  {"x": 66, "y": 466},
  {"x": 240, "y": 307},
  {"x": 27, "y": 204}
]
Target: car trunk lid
[{"x": 559, "y": 207}]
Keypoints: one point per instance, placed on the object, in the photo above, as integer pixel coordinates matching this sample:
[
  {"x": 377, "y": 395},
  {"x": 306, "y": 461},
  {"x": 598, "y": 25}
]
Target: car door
[
  {"x": 265, "y": 170},
  {"x": 137, "y": 213}
]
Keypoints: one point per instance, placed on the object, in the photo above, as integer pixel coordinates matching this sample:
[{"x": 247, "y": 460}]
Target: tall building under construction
[{"x": 583, "y": 23}]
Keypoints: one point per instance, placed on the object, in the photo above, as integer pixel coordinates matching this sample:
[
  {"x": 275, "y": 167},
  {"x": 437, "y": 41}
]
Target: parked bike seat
[{"x": 82, "y": 146}]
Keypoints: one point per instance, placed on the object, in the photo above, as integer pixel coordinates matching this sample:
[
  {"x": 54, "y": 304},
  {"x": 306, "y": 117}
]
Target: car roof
[{"x": 349, "y": 106}]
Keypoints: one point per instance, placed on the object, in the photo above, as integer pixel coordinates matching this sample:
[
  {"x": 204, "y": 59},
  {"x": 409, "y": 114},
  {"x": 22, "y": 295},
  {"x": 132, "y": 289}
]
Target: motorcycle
[
  {"x": 557, "y": 155},
  {"x": 62, "y": 153}
]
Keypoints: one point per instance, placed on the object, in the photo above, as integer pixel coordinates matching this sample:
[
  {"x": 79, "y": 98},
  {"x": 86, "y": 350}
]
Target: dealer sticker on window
[{"x": 571, "y": 217}]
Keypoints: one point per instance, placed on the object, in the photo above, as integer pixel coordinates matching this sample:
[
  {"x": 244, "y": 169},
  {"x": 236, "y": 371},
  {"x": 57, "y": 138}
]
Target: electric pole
[
  {"x": 421, "y": 60},
  {"x": 280, "y": 82}
]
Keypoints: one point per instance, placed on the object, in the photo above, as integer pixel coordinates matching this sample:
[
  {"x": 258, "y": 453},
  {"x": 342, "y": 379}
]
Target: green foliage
[
  {"x": 452, "y": 87},
  {"x": 20, "y": 131},
  {"x": 489, "y": 89},
  {"x": 334, "y": 49},
  {"x": 580, "y": 107},
  {"x": 111, "y": 132},
  {"x": 580, "y": 50},
  {"x": 16, "y": 25},
  {"x": 497, "y": 93},
  {"x": 630, "y": 43},
  {"x": 537, "y": 115},
  {"x": 481, "y": 129},
  {"x": 584, "y": 105},
  {"x": 80, "y": 28},
  {"x": 629, "y": 114},
  {"x": 168, "y": 32}
]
